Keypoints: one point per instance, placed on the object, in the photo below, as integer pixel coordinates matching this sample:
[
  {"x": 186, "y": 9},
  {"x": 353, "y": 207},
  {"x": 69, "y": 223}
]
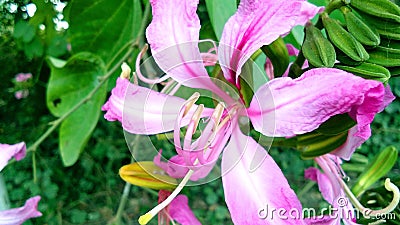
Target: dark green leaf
[{"x": 103, "y": 27}]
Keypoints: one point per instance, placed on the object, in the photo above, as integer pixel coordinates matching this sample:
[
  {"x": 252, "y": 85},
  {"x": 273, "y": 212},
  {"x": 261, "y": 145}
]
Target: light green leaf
[
  {"x": 220, "y": 11},
  {"x": 103, "y": 27},
  {"x": 69, "y": 83}
]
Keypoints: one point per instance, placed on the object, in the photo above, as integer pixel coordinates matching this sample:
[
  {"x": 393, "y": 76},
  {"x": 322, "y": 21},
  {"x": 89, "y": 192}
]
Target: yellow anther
[
  {"x": 143, "y": 220},
  {"x": 197, "y": 116},
  {"x": 217, "y": 114},
  {"x": 126, "y": 71},
  {"x": 190, "y": 102}
]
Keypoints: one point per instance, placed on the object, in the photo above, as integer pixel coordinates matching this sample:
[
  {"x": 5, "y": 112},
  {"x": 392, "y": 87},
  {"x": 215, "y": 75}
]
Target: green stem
[
  {"x": 57, "y": 122},
  {"x": 127, "y": 45},
  {"x": 34, "y": 167},
  {"x": 122, "y": 203},
  {"x": 306, "y": 189},
  {"x": 127, "y": 188},
  {"x": 143, "y": 25}
]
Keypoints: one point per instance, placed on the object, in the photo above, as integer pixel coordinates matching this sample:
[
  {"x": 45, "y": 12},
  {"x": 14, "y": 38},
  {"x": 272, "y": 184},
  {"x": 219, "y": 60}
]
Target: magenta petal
[
  {"x": 177, "y": 167},
  {"x": 179, "y": 210},
  {"x": 173, "y": 35},
  {"x": 324, "y": 184},
  {"x": 19, "y": 215},
  {"x": 302, "y": 104},
  {"x": 250, "y": 187},
  {"x": 258, "y": 23},
  {"x": 142, "y": 110},
  {"x": 18, "y": 151}
]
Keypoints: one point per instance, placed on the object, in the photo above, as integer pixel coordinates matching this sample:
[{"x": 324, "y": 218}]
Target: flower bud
[{"x": 147, "y": 174}]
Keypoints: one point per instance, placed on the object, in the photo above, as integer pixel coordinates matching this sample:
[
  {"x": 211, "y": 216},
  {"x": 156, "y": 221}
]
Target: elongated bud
[
  {"x": 314, "y": 144},
  {"x": 388, "y": 57},
  {"x": 343, "y": 40},
  {"x": 384, "y": 9},
  {"x": 317, "y": 49},
  {"x": 368, "y": 71},
  {"x": 385, "y": 28},
  {"x": 365, "y": 33},
  {"x": 147, "y": 174},
  {"x": 278, "y": 54},
  {"x": 381, "y": 164}
]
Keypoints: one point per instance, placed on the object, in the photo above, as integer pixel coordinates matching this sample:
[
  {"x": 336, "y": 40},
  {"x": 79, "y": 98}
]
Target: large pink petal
[
  {"x": 258, "y": 23},
  {"x": 250, "y": 188},
  {"x": 173, "y": 35},
  {"x": 179, "y": 210},
  {"x": 142, "y": 110},
  {"x": 19, "y": 215},
  {"x": 18, "y": 151},
  {"x": 302, "y": 104}
]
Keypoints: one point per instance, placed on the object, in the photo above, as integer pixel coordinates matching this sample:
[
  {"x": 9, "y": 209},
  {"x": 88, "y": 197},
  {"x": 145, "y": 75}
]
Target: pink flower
[
  {"x": 19, "y": 215},
  {"x": 282, "y": 107},
  {"x": 21, "y": 94},
  {"x": 22, "y": 77},
  {"x": 18, "y": 151}
]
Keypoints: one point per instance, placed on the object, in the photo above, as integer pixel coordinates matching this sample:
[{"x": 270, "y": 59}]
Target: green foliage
[
  {"x": 219, "y": 12},
  {"x": 103, "y": 27},
  {"x": 69, "y": 84}
]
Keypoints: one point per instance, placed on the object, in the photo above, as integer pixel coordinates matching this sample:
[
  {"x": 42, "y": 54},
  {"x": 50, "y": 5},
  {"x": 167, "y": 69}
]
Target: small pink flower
[
  {"x": 21, "y": 94},
  {"x": 22, "y": 77}
]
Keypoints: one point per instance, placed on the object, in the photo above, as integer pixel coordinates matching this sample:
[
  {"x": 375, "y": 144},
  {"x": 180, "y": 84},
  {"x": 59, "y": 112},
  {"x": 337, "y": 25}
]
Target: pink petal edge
[
  {"x": 18, "y": 151},
  {"x": 19, "y": 215}
]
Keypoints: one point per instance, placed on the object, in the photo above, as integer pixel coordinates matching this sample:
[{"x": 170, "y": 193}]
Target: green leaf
[
  {"x": 34, "y": 48},
  {"x": 25, "y": 31},
  {"x": 219, "y": 12},
  {"x": 103, "y": 27},
  {"x": 69, "y": 84}
]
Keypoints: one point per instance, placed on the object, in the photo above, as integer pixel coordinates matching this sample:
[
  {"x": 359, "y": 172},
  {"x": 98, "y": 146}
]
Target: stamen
[
  {"x": 140, "y": 75},
  {"x": 144, "y": 219},
  {"x": 190, "y": 102},
  {"x": 126, "y": 71},
  {"x": 217, "y": 114},
  {"x": 194, "y": 122},
  {"x": 229, "y": 116},
  {"x": 197, "y": 116},
  {"x": 135, "y": 80},
  {"x": 216, "y": 118},
  {"x": 369, "y": 212}
]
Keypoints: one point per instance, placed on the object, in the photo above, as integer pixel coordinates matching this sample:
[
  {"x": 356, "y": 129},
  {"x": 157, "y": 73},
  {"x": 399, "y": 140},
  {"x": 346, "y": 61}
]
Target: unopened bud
[
  {"x": 147, "y": 174},
  {"x": 381, "y": 164}
]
